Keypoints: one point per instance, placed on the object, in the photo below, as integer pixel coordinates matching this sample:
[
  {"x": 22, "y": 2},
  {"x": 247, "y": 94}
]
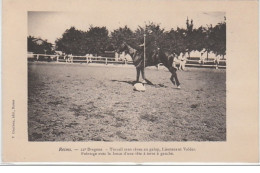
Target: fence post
[
  {"x": 38, "y": 57},
  {"x": 71, "y": 59},
  {"x": 57, "y": 58},
  {"x": 106, "y": 61}
]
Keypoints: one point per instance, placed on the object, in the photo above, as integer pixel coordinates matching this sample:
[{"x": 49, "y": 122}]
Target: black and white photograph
[
  {"x": 130, "y": 82},
  {"x": 142, "y": 77}
]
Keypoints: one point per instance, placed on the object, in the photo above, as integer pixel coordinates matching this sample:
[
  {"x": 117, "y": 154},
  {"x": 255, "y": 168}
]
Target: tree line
[{"x": 97, "y": 40}]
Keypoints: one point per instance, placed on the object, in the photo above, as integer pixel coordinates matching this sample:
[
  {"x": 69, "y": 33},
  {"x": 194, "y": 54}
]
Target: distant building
[
  {"x": 30, "y": 55},
  {"x": 38, "y": 41}
]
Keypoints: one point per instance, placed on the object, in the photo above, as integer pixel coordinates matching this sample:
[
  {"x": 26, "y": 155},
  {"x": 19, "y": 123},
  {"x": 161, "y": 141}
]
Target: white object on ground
[{"x": 139, "y": 87}]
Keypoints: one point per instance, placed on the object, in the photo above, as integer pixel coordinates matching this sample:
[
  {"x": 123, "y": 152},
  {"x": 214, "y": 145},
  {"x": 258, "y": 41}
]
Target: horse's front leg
[
  {"x": 137, "y": 74},
  {"x": 143, "y": 76}
]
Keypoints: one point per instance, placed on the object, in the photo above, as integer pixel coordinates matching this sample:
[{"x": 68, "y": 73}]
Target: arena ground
[{"x": 80, "y": 102}]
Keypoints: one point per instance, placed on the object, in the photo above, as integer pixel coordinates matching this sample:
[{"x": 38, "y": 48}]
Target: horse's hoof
[{"x": 179, "y": 87}]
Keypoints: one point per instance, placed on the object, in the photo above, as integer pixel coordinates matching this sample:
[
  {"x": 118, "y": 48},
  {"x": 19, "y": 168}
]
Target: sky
[{"x": 51, "y": 25}]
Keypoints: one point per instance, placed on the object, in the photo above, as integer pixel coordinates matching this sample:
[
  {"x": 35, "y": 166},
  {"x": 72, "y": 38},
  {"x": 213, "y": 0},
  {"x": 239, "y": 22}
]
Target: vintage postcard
[{"x": 120, "y": 81}]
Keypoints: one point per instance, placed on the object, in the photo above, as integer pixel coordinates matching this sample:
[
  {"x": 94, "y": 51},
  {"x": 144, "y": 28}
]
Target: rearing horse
[
  {"x": 137, "y": 57},
  {"x": 153, "y": 58}
]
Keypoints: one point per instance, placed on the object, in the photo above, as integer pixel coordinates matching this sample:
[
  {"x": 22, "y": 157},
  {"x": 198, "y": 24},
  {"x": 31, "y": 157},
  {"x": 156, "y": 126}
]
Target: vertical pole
[{"x": 144, "y": 49}]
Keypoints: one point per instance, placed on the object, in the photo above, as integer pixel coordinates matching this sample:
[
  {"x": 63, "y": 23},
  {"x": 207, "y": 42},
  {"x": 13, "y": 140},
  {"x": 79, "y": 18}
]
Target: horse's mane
[{"x": 133, "y": 46}]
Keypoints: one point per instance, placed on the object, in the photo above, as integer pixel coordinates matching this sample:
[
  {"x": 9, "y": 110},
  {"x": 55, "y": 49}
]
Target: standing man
[{"x": 182, "y": 62}]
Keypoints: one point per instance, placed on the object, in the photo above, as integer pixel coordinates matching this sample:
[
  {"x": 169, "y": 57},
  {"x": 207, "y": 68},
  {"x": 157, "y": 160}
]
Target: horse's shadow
[{"x": 147, "y": 83}]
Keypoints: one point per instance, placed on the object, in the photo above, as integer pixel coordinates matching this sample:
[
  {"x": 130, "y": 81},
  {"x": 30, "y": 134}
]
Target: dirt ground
[{"x": 79, "y": 102}]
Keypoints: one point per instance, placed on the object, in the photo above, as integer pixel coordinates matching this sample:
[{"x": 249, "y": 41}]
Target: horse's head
[{"x": 122, "y": 48}]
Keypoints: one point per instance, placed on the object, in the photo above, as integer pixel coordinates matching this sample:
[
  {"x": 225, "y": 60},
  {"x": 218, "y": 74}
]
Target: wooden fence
[
  {"x": 191, "y": 62},
  {"x": 210, "y": 63},
  {"x": 74, "y": 59}
]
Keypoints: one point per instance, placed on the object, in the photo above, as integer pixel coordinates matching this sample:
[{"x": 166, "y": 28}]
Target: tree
[
  {"x": 78, "y": 42},
  {"x": 73, "y": 41},
  {"x": 197, "y": 39},
  {"x": 31, "y": 44},
  {"x": 175, "y": 41},
  {"x": 154, "y": 35},
  {"x": 39, "y": 46},
  {"x": 189, "y": 36},
  {"x": 215, "y": 39},
  {"x": 219, "y": 36},
  {"x": 185, "y": 40},
  {"x": 97, "y": 39},
  {"x": 121, "y": 35},
  {"x": 194, "y": 37}
]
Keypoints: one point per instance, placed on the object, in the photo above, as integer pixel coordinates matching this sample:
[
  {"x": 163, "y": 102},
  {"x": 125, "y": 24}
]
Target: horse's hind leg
[{"x": 174, "y": 77}]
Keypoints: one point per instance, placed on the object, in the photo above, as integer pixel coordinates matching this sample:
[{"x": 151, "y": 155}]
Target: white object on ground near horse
[{"x": 139, "y": 87}]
